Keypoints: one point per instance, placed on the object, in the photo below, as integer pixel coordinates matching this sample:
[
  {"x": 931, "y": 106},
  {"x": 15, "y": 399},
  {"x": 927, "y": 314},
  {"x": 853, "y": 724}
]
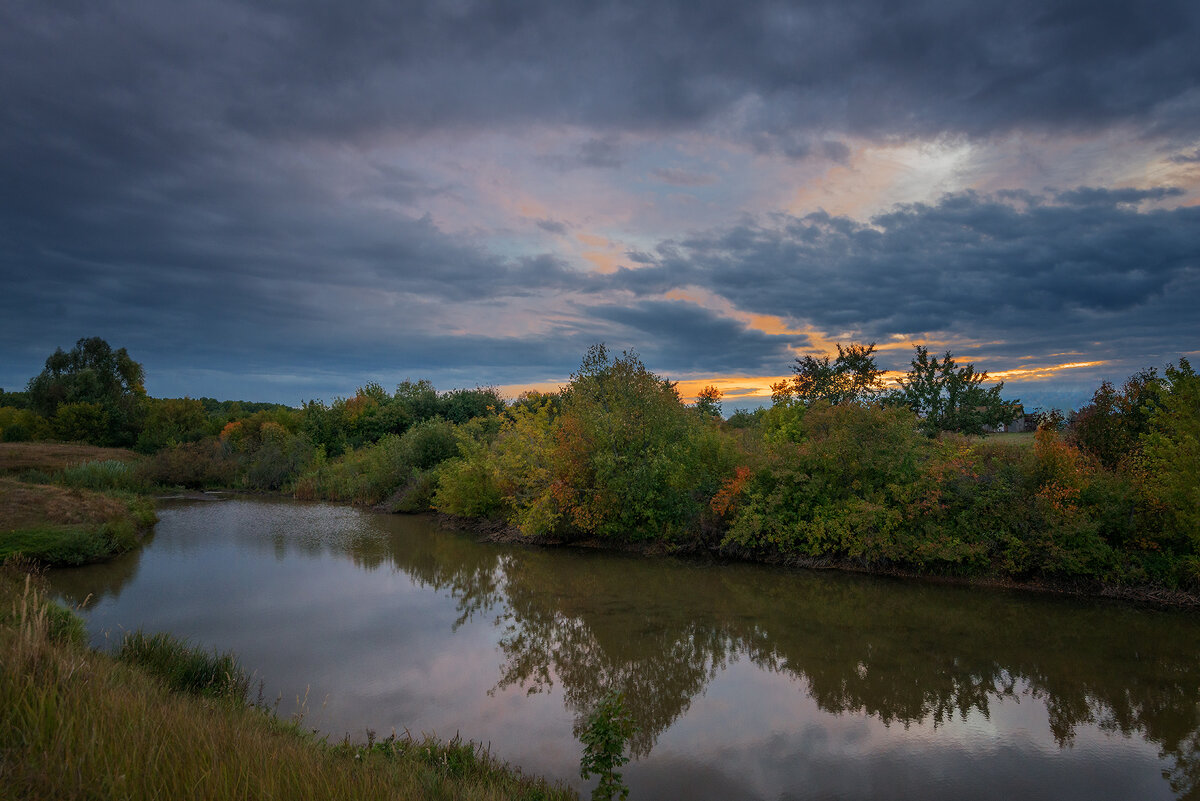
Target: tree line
[{"x": 838, "y": 470}]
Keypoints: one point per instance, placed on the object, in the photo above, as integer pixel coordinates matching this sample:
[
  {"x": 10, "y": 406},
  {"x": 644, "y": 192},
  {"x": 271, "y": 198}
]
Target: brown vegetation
[
  {"x": 16, "y": 457},
  {"x": 27, "y": 505}
]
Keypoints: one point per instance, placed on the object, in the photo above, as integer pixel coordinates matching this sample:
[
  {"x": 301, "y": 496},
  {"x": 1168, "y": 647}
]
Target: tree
[
  {"x": 853, "y": 377},
  {"x": 708, "y": 403},
  {"x": 1171, "y": 457},
  {"x": 948, "y": 397},
  {"x": 1111, "y": 427},
  {"x": 630, "y": 460},
  {"x": 92, "y": 372}
]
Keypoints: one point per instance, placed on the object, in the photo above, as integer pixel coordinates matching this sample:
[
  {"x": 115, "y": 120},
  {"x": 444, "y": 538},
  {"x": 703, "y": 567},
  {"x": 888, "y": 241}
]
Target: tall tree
[
  {"x": 93, "y": 373},
  {"x": 853, "y": 377},
  {"x": 949, "y": 397}
]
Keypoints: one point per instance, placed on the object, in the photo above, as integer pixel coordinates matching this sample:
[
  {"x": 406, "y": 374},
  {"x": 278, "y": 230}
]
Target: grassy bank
[
  {"x": 70, "y": 504},
  {"x": 57, "y": 525},
  {"x": 77, "y": 724},
  {"x": 47, "y": 458}
]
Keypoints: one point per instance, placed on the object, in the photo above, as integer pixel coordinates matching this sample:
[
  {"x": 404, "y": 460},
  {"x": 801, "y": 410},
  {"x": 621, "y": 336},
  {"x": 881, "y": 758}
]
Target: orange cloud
[
  {"x": 1039, "y": 373},
  {"x": 733, "y": 388}
]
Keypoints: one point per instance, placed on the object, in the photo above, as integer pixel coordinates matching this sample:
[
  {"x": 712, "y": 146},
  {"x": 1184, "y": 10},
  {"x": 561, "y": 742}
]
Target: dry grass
[
  {"x": 75, "y": 724},
  {"x": 67, "y": 526},
  {"x": 27, "y": 505},
  {"x": 47, "y": 457}
]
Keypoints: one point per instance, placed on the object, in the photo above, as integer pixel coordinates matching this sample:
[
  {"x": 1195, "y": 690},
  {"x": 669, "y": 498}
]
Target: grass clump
[
  {"x": 77, "y": 724},
  {"x": 103, "y": 476},
  {"x": 183, "y": 667}
]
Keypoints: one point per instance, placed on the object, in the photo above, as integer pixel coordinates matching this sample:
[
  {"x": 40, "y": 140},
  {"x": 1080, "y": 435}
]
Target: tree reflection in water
[{"x": 660, "y": 630}]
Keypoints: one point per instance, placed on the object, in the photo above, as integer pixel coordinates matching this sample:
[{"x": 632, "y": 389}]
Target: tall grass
[
  {"x": 76, "y": 724},
  {"x": 104, "y": 476},
  {"x": 185, "y": 668}
]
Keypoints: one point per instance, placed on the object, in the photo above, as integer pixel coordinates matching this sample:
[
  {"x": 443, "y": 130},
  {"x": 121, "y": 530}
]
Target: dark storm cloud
[
  {"x": 193, "y": 179},
  {"x": 1044, "y": 277},
  {"x": 144, "y": 79}
]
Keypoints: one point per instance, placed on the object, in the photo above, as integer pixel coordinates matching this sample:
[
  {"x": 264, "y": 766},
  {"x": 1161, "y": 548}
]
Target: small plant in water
[{"x": 606, "y": 732}]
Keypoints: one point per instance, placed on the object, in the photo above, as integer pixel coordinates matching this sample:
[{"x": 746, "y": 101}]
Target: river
[{"x": 745, "y": 681}]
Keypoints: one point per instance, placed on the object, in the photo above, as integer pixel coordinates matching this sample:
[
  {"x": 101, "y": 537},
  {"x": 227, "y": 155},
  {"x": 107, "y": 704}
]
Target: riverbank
[
  {"x": 497, "y": 531},
  {"x": 64, "y": 526},
  {"x": 75, "y": 723},
  {"x": 65, "y": 504}
]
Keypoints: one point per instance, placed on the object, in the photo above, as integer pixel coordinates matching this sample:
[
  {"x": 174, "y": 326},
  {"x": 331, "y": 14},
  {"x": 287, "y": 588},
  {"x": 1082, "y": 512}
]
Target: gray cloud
[
  {"x": 691, "y": 338},
  {"x": 677, "y": 176},
  {"x": 158, "y": 185},
  {"x": 154, "y": 79},
  {"x": 1046, "y": 277}
]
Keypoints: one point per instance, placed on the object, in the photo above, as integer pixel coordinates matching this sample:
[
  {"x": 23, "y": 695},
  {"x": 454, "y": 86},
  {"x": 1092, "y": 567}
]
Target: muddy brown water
[{"x": 745, "y": 681}]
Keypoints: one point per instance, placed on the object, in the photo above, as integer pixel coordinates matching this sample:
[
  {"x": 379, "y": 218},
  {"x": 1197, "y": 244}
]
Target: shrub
[
  {"x": 196, "y": 465},
  {"x": 172, "y": 421},
  {"x": 22, "y": 425},
  {"x": 605, "y": 735},
  {"x": 82, "y": 422}
]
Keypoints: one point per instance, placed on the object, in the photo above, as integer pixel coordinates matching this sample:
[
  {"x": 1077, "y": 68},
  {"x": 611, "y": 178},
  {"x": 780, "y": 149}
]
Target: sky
[{"x": 284, "y": 201}]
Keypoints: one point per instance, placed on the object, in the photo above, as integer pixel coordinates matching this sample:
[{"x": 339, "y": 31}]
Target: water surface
[{"x": 745, "y": 681}]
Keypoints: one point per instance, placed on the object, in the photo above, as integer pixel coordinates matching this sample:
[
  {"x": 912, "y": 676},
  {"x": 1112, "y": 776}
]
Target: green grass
[
  {"x": 58, "y": 545},
  {"x": 185, "y": 668},
  {"x": 77, "y": 724},
  {"x": 1024, "y": 439},
  {"x": 104, "y": 476}
]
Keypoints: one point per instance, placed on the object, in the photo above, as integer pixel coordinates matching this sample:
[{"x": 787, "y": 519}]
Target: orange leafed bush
[{"x": 727, "y": 496}]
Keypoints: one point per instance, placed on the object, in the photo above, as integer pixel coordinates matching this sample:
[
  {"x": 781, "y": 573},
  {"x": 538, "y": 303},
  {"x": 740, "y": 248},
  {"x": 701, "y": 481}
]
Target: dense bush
[
  {"x": 370, "y": 474},
  {"x": 22, "y": 425},
  {"x": 195, "y": 465},
  {"x": 621, "y": 458},
  {"x": 173, "y": 421}
]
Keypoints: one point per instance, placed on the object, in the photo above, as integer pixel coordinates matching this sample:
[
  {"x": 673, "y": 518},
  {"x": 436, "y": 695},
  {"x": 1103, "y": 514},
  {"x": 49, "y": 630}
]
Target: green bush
[
  {"x": 171, "y": 421},
  {"x": 371, "y": 474},
  {"x": 82, "y": 422},
  {"x": 429, "y": 443},
  {"x": 22, "y": 425},
  {"x": 195, "y": 465}
]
